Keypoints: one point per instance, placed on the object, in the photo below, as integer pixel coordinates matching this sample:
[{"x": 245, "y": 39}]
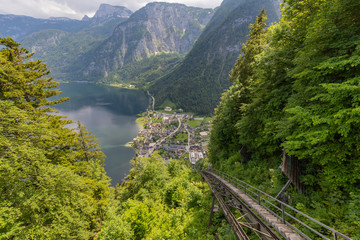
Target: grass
[
  {"x": 168, "y": 103},
  {"x": 140, "y": 122},
  {"x": 195, "y": 123}
]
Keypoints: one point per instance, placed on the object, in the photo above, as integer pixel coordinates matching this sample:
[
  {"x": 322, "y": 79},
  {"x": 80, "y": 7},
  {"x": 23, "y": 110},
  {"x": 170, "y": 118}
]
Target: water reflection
[{"x": 110, "y": 113}]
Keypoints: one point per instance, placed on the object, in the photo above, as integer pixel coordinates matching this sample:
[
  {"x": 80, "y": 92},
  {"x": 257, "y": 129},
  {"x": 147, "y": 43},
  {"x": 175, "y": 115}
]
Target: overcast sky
[{"x": 78, "y": 8}]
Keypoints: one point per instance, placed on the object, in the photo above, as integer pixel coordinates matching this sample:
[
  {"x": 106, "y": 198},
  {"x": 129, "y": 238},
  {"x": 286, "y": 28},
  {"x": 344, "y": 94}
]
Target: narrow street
[{"x": 160, "y": 141}]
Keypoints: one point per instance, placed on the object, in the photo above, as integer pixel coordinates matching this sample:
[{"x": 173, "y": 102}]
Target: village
[{"x": 173, "y": 134}]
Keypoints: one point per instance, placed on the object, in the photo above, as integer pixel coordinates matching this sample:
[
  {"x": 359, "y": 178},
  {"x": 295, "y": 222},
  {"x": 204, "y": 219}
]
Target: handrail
[{"x": 259, "y": 195}]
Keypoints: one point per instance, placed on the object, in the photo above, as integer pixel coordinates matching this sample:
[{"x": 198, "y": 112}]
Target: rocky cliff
[
  {"x": 108, "y": 12},
  {"x": 198, "y": 82},
  {"x": 156, "y": 28}
]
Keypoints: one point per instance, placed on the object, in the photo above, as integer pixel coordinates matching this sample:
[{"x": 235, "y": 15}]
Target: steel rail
[
  {"x": 239, "y": 232},
  {"x": 248, "y": 210},
  {"x": 246, "y": 188}
]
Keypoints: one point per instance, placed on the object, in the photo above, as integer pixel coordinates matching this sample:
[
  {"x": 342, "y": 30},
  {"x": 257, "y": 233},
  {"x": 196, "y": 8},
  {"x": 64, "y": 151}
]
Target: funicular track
[
  {"x": 238, "y": 230},
  {"x": 261, "y": 219},
  {"x": 222, "y": 191}
]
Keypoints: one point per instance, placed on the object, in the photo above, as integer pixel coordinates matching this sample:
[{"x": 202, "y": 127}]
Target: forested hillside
[
  {"x": 197, "y": 82},
  {"x": 163, "y": 201},
  {"x": 296, "y": 89},
  {"x": 295, "y": 93},
  {"x": 117, "y": 48},
  {"x": 61, "y": 50},
  {"x": 52, "y": 180},
  {"x": 157, "y": 28}
]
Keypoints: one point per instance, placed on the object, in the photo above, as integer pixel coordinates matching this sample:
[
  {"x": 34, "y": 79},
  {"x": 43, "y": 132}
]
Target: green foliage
[
  {"x": 324, "y": 113},
  {"x": 22, "y": 80},
  {"x": 144, "y": 72},
  {"x": 62, "y": 51},
  {"x": 163, "y": 201},
  {"x": 299, "y": 92},
  {"x": 167, "y": 103},
  {"x": 224, "y": 138},
  {"x": 114, "y": 226},
  {"x": 196, "y": 84},
  {"x": 52, "y": 182},
  {"x": 181, "y": 137}
]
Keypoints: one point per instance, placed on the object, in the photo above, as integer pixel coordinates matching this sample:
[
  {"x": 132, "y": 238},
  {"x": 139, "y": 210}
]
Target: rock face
[
  {"x": 108, "y": 12},
  {"x": 61, "y": 50},
  {"x": 156, "y": 28},
  {"x": 197, "y": 83}
]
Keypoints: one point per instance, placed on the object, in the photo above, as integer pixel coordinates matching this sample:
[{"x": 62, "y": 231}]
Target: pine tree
[
  {"x": 52, "y": 181},
  {"x": 22, "y": 80},
  {"x": 224, "y": 137}
]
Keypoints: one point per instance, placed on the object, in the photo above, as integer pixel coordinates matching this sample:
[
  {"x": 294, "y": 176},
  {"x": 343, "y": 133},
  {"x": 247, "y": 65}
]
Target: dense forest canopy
[
  {"x": 296, "y": 87},
  {"x": 53, "y": 184},
  {"x": 52, "y": 180},
  {"x": 295, "y": 90}
]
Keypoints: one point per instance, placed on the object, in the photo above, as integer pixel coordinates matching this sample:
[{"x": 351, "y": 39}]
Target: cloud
[
  {"x": 77, "y": 9},
  {"x": 39, "y": 8}
]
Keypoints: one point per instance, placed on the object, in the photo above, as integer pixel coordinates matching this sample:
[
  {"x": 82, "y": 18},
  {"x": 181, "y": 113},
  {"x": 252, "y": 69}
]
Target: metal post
[
  {"x": 283, "y": 213},
  {"x": 259, "y": 197},
  {"x": 245, "y": 189},
  {"x": 212, "y": 210},
  {"x": 335, "y": 236}
]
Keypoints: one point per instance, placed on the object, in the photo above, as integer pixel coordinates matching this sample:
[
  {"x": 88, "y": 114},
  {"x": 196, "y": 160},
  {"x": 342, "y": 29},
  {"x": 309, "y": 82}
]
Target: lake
[{"x": 110, "y": 113}]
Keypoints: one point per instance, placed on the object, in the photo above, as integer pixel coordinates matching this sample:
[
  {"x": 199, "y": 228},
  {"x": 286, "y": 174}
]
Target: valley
[
  {"x": 185, "y": 61},
  {"x": 251, "y": 104}
]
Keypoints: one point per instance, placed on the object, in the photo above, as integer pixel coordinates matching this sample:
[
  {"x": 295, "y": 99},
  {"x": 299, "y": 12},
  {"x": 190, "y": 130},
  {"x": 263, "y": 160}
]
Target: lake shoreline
[
  {"x": 141, "y": 125},
  {"x": 119, "y": 85},
  {"x": 110, "y": 113}
]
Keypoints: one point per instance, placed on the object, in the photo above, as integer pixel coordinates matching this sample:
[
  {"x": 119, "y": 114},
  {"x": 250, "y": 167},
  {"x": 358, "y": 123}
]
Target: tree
[
  {"x": 52, "y": 181},
  {"x": 323, "y": 123},
  {"x": 22, "y": 80},
  {"x": 224, "y": 138},
  {"x": 305, "y": 98}
]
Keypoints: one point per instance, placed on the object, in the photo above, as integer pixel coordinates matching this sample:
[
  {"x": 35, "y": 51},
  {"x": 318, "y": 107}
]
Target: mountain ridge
[
  {"x": 197, "y": 83},
  {"x": 154, "y": 29},
  {"x": 20, "y": 26},
  {"x": 107, "y": 12}
]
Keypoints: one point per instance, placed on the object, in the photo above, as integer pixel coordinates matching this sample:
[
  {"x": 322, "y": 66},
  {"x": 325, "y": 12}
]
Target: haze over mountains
[
  {"x": 18, "y": 27},
  {"x": 183, "y": 55}
]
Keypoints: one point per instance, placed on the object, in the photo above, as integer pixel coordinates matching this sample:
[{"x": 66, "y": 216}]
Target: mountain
[
  {"x": 106, "y": 13},
  {"x": 60, "y": 49},
  {"x": 197, "y": 83},
  {"x": 154, "y": 29},
  {"x": 19, "y": 27}
]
